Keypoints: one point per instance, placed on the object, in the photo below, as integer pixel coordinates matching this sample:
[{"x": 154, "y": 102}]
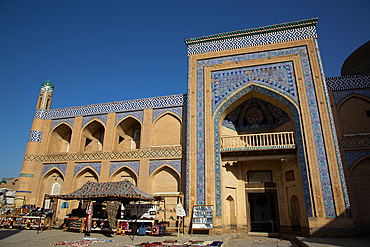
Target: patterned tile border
[
  {"x": 355, "y": 142},
  {"x": 353, "y": 156},
  {"x": 348, "y": 82},
  {"x": 69, "y": 121},
  {"x": 95, "y": 166},
  {"x": 48, "y": 167},
  {"x": 339, "y": 95},
  {"x": 27, "y": 175},
  {"x": 87, "y": 119},
  {"x": 158, "y": 112},
  {"x": 137, "y": 114},
  {"x": 334, "y": 132},
  {"x": 258, "y": 148},
  {"x": 252, "y": 39},
  {"x": 35, "y": 136},
  {"x": 135, "y": 154},
  {"x": 154, "y": 164},
  {"x": 134, "y": 165},
  {"x": 23, "y": 191},
  {"x": 121, "y": 106}
]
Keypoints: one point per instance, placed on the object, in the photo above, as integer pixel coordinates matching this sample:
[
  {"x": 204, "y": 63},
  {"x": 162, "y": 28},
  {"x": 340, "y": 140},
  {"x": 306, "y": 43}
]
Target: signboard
[
  {"x": 202, "y": 217},
  {"x": 141, "y": 211}
]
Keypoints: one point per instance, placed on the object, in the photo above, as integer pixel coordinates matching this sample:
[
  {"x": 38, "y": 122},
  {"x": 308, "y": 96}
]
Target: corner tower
[{"x": 32, "y": 169}]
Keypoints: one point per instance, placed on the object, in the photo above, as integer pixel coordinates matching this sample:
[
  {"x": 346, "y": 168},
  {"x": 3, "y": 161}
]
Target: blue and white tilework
[
  {"x": 69, "y": 121},
  {"x": 315, "y": 120},
  {"x": 154, "y": 164},
  {"x": 35, "y": 136},
  {"x": 253, "y": 40},
  {"x": 158, "y": 112},
  {"x": 348, "y": 82},
  {"x": 120, "y": 106},
  {"x": 187, "y": 144},
  {"x": 335, "y": 137},
  {"x": 95, "y": 166},
  {"x": 339, "y": 95},
  {"x": 87, "y": 119},
  {"x": 353, "y": 156},
  {"x": 60, "y": 167},
  {"x": 136, "y": 114},
  {"x": 134, "y": 165}
]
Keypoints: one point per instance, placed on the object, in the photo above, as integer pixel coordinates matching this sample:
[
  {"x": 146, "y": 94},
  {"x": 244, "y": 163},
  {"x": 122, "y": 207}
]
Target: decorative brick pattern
[
  {"x": 176, "y": 164},
  {"x": 137, "y": 114},
  {"x": 60, "y": 167},
  {"x": 158, "y": 112},
  {"x": 355, "y": 142},
  {"x": 134, "y": 165},
  {"x": 348, "y": 82},
  {"x": 130, "y": 155},
  {"x": 353, "y": 156},
  {"x": 35, "y": 136},
  {"x": 95, "y": 166},
  {"x": 120, "y": 106}
]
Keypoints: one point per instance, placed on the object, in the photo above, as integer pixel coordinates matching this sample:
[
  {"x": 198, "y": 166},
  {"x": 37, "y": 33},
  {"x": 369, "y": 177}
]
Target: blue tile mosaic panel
[
  {"x": 87, "y": 119},
  {"x": 315, "y": 119},
  {"x": 120, "y": 106},
  {"x": 353, "y": 156},
  {"x": 154, "y": 164},
  {"x": 137, "y": 114},
  {"x": 95, "y": 166},
  {"x": 35, "y": 136},
  {"x": 134, "y": 165},
  {"x": 348, "y": 82},
  {"x": 60, "y": 167},
  {"x": 69, "y": 121},
  {"x": 158, "y": 112}
]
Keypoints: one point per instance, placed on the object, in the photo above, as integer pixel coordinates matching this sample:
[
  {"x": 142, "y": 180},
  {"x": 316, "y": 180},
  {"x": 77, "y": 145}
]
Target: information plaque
[{"x": 202, "y": 217}]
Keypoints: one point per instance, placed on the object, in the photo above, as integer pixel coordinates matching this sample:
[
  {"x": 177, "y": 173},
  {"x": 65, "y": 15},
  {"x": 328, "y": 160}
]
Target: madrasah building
[{"x": 261, "y": 135}]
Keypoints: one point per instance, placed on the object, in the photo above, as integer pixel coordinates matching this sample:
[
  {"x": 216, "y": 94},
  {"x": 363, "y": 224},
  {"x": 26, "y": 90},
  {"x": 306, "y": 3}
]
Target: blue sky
[{"x": 106, "y": 51}]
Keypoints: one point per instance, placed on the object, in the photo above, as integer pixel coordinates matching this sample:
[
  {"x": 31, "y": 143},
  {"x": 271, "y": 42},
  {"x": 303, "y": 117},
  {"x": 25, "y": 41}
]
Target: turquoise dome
[{"x": 47, "y": 86}]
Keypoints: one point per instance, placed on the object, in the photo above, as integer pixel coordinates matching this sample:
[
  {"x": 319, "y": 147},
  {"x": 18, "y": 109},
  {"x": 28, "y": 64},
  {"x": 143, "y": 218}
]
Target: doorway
[{"x": 263, "y": 212}]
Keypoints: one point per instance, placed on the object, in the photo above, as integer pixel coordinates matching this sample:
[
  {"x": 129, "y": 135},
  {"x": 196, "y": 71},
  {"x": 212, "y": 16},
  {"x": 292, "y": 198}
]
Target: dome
[{"x": 47, "y": 86}]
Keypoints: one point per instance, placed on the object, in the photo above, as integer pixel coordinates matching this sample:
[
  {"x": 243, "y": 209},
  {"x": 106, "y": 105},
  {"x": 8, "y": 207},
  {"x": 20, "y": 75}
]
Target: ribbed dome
[{"x": 47, "y": 86}]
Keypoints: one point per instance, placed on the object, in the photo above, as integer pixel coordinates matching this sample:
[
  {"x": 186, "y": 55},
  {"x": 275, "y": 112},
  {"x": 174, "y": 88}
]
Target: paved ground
[{"x": 14, "y": 237}]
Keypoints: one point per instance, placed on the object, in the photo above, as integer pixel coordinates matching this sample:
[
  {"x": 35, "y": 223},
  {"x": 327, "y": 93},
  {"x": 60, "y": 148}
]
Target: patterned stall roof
[{"x": 111, "y": 190}]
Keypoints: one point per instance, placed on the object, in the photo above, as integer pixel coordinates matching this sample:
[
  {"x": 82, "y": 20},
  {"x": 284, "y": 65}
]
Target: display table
[
  {"x": 133, "y": 225},
  {"x": 74, "y": 224}
]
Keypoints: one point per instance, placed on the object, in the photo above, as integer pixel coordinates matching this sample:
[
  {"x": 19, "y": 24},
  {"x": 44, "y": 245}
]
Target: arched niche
[
  {"x": 354, "y": 114},
  {"x": 51, "y": 184},
  {"x": 295, "y": 213},
  {"x": 231, "y": 212},
  {"x": 167, "y": 130},
  {"x": 359, "y": 173},
  {"x": 93, "y": 136},
  {"x": 124, "y": 173},
  {"x": 60, "y": 139},
  {"x": 128, "y": 134},
  {"x": 165, "y": 179},
  {"x": 85, "y": 175}
]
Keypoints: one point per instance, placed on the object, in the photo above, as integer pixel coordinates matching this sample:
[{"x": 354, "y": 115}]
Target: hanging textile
[
  {"x": 112, "y": 208},
  {"x": 180, "y": 210},
  {"x": 89, "y": 212}
]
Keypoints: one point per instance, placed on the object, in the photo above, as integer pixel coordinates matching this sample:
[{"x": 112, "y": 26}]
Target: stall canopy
[{"x": 108, "y": 190}]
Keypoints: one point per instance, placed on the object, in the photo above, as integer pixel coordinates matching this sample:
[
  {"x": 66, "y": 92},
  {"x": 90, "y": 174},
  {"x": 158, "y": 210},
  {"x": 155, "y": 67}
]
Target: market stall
[{"x": 117, "y": 206}]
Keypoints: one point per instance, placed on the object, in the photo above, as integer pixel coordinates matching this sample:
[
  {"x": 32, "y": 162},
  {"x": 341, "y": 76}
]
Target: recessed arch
[
  {"x": 165, "y": 179},
  {"x": 85, "y": 175},
  {"x": 126, "y": 133},
  {"x": 124, "y": 173},
  {"x": 167, "y": 130},
  {"x": 276, "y": 98},
  {"x": 92, "y": 137},
  {"x": 60, "y": 138}
]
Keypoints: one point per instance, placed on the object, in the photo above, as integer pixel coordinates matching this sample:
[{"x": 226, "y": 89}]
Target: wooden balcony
[{"x": 263, "y": 141}]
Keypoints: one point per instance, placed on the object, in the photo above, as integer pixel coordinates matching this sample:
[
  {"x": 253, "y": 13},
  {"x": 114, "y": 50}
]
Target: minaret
[{"x": 31, "y": 172}]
